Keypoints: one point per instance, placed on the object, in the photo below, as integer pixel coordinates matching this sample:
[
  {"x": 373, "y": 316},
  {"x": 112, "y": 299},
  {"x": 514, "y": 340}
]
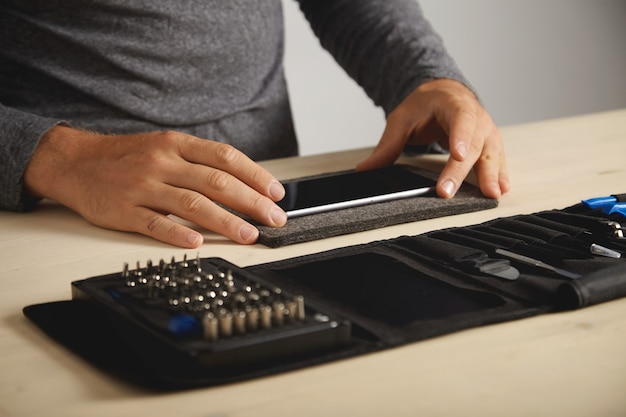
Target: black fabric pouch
[{"x": 364, "y": 298}]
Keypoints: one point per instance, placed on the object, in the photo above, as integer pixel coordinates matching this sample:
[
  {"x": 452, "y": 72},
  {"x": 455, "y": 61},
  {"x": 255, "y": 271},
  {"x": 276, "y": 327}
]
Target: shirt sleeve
[
  {"x": 386, "y": 46},
  {"x": 20, "y": 133}
]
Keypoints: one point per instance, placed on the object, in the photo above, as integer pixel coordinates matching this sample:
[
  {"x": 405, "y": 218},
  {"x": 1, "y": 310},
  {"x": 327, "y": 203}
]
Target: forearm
[
  {"x": 387, "y": 46},
  {"x": 20, "y": 133},
  {"x": 132, "y": 183}
]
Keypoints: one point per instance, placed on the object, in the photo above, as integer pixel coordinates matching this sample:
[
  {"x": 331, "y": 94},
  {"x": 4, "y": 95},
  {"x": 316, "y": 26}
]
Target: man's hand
[
  {"x": 447, "y": 111},
  {"x": 133, "y": 182}
]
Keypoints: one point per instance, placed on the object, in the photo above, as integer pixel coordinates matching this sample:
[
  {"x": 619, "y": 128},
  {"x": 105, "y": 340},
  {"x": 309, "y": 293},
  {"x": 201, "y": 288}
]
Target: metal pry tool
[
  {"x": 537, "y": 263},
  {"x": 461, "y": 257},
  {"x": 498, "y": 250}
]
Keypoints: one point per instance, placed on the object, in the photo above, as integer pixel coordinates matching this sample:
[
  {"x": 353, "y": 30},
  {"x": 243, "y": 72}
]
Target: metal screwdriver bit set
[{"x": 209, "y": 313}]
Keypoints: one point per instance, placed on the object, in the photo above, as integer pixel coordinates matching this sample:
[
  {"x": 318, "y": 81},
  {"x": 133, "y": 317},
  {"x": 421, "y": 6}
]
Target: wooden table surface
[{"x": 565, "y": 364}]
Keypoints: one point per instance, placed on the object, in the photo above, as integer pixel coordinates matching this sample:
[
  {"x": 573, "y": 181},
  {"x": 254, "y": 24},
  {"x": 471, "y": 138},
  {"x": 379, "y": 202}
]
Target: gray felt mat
[{"x": 373, "y": 216}]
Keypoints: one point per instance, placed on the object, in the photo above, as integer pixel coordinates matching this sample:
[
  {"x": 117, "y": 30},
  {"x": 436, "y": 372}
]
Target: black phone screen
[{"x": 352, "y": 188}]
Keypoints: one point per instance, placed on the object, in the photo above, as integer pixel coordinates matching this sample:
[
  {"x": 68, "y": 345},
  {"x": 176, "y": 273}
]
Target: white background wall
[{"x": 528, "y": 59}]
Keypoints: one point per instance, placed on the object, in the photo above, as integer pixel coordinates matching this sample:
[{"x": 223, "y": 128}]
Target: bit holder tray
[{"x": 207, "y": 315}]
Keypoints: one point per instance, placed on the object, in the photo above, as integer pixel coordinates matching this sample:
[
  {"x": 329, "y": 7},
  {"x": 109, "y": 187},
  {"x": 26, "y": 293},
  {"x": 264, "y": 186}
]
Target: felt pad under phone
[{"x": 373, "y": 216}]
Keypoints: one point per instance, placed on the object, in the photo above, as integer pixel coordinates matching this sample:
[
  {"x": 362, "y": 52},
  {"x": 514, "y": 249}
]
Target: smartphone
[{"x": 351, "y": 189}]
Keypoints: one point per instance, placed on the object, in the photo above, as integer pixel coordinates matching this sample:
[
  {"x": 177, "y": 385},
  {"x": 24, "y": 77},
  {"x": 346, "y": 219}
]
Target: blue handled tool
[
  {"x": 619, "y": 208},
  {"x": 611, "y": 204}
]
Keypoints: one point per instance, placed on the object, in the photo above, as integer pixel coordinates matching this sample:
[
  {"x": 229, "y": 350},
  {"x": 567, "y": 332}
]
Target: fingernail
[
  {"x": 462, "y": 149},
  {"x": 277, "y": 191},
  {"x": 448, "y": 188},
  {"x": 195, "y": 239},
  {"x": 495, "y": 186},
  {"x": 248, "y": 233},
  {"x": 505, "y": 186},
  {"x": 278, "y": 217}
]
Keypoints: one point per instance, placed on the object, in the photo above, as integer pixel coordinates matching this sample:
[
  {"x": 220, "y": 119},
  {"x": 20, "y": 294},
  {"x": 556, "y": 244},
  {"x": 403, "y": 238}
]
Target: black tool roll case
[{"x": 196, "y": 322}]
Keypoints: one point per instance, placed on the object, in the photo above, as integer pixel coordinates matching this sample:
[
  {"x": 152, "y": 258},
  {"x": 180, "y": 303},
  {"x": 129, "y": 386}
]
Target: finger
[
  {"x": 228, "y": 159},
  {"x": 488, "y": 160},
  {"x": 198, "y": 209},
  {"x": 505, "y": 178},
  {"x": 160, "y": 227},
  {"x": 462, "y": 127},
  {"x": 455, "y": 171},
  {"x": 491, "y": 168},
  {"x": 224, "y": 188},
  {"x": 451, "y": 178}
]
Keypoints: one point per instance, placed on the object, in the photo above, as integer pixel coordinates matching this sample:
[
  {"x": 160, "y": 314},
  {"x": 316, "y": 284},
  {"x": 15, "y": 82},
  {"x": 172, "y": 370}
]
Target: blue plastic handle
[
  {"x": 618, "y": 208},
  {"x": 603, "y": 203}
]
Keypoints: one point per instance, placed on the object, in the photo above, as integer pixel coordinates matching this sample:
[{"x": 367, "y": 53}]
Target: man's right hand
[{"x": 133, "y": 182}]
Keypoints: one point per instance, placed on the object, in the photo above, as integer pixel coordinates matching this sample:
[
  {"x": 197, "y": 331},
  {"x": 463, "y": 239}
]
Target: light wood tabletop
[{"x": 562, "y": 364}]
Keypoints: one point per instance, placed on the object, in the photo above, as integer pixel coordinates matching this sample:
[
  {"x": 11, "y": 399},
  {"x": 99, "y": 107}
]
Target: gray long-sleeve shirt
[{"x": 206, "y": 67}]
